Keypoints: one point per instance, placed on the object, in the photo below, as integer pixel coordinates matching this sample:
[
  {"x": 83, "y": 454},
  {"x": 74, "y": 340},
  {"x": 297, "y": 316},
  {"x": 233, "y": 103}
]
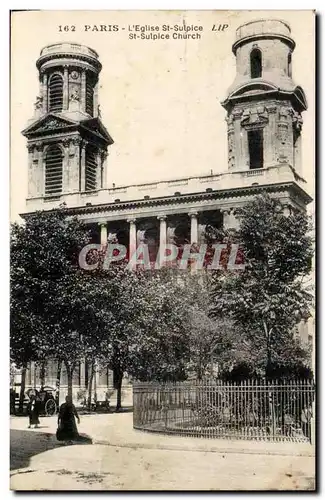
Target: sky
[{"x": 160, "y": 100}]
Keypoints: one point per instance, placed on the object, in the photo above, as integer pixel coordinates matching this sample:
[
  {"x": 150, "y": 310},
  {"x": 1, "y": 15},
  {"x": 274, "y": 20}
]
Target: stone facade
[{"x": 263, "y": 107}]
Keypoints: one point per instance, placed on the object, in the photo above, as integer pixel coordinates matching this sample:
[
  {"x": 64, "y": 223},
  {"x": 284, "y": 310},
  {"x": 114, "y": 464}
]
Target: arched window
[
  {"x": 256, "y": 63},
  {"x": 90, "y": 84},
  {"x": 91, "y": 167},
  {"x": 53, "y": 171},
  {"x": 289, "y": 65},
  {"x": 56, "y": 93}
]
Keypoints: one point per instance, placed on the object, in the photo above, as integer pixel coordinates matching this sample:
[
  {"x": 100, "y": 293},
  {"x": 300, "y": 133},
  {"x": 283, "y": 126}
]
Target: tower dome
[
  {"x": 68, "y": 74},
  {"x": 264, "y": 104},
  {"x": 66, "y": 139},
  {"x": 263, "y": 50}
]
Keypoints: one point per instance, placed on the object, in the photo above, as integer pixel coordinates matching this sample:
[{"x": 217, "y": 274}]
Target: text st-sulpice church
[{"x": 68, "y": 155}]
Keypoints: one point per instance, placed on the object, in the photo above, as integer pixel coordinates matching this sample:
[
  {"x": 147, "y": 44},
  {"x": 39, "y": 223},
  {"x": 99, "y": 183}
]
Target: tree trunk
[
  {"x": 42, "y": 374},
  {"x": 22, "y": 390},
  {"x": 69, "y": 375},
  {"x": 268, "y": 349},
  {"x": 57, "y": 383},
  {"x": 90, "y": 385},
  {"x": 117, "y": 381}
]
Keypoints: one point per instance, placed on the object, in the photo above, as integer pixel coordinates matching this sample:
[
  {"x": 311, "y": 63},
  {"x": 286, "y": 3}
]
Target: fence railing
[{"x": 251, "y": 409}]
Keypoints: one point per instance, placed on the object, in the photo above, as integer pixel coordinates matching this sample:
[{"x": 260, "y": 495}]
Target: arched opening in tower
[
  {"x": 91, "y": 168},
  {"x": 90, "y": 84},
  {"x": 56, "y": 93},
  {"x": 53, "y": 171},
  {"x": 289, "y": 65},
  {"x": 256, "y": 63},
  {"x": 255, "y": 147}
]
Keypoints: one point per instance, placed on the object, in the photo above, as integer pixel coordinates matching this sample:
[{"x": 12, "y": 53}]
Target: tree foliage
[
  {"x": 268, "y": 299},
  {"x": 48, "y": 302}
]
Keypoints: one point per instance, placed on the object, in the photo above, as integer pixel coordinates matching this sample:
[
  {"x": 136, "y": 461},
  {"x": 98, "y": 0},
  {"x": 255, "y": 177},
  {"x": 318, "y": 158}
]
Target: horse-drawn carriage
[{"x": 47, "y": 403}]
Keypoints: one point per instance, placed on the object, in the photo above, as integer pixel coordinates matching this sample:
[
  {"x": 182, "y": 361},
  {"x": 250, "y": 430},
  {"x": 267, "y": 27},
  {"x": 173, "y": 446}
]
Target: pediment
[
  {"x": 95, "y": 125},
  {"x": 252, "y": 88},
  {"x": 49, "y": 123},
  {"x": 300, "y": 95}
]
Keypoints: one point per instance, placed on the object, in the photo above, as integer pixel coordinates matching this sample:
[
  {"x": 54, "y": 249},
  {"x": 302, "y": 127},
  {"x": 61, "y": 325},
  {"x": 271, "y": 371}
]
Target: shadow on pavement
[
  {"x": 84, "y": 439},
  {"x": 25, "y": 444},
  {"x": 124, "y": 409}
]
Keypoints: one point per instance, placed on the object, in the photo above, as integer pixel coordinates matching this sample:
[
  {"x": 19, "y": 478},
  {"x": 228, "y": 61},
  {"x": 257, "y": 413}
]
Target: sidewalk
[
  {"x": 121, "y": 458},
  {"x": 116, "y": 429}
]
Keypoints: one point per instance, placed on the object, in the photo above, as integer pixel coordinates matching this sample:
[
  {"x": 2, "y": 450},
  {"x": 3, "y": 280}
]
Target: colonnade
[{"x": 165, "y": 231}]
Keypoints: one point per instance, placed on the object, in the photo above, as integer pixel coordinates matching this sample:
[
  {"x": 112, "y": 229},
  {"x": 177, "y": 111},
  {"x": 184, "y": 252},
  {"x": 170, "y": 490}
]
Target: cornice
[
  {"x": 68, "y": 55},
  {"x": 169, "y": 201},
  {"x": 260, "y": 36}
]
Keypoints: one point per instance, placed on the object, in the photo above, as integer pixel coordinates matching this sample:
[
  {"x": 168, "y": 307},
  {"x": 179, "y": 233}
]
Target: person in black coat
[
  {"x": 67, "y": 427},
  {"x": 33, "y": 411},
  {"x": 12, "y": 402}
]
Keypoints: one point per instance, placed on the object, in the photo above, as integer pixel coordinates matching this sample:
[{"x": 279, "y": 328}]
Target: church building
[{"x": 68, "y": 154}]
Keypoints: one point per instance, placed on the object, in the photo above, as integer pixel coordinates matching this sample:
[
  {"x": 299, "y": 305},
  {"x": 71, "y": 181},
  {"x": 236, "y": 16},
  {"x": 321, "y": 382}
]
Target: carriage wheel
[{"x": 50, "y": 407}]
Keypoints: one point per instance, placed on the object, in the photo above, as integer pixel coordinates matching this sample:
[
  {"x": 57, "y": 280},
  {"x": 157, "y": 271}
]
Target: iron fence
[{"x": 252, "y": 409}]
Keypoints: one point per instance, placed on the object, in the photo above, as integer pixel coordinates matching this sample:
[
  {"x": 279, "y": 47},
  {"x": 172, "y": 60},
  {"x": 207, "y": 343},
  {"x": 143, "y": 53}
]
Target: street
[{"x": 116, "y": 457}]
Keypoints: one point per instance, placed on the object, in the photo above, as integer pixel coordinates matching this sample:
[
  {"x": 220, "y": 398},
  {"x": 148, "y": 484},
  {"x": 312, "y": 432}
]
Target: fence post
[{"x": 313, "y": 423}]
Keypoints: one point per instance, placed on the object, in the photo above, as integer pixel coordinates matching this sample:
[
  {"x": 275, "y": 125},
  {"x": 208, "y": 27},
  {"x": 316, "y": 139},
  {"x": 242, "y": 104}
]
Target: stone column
[
  {"x": 270, "y": 137},
  {"x": 244, "y": 149},
  {"x": 103, "y": 234},
  {"x": 194, "y": 227},
  {"x": 66, "y": 166},
  {"x": 74, "y": 170},
  {"x": 297, "y": 155},
  {"x": 44, "y": 93},
  {"x": 29, "y": 374},
  {"x": 132, "y": 237},
  {"x": 76, "y": 375},
  {"x": 83, "y": 374},
  {"x": 83, "y": 166},
  {"x": 96, "y": 114},
  {"x": 284, "y": 137},
  {"x": 103, "y": 177},
  {"x": 162, "y": 237},
  {"x": 201, "y": 234},
  {"x": 103, "y": 377},
  {"x": 31, "y": 179},
  {"x": 83, "y": 91},
  {"x": 231, "y": 143},
  {"x": 239, "y": 160},
  {"x": 229, "y": 219},
  {"x": 33, "y": 373},
  {"x": 65, "y": 88},
  {"x": 40, "y": 173},
  {"x": 96, "y": 382}
]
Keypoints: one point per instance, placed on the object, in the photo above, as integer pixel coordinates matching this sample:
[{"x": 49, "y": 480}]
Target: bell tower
[
  {"x": 66, "y": 140},
  {"x": 264, "y": 105}
]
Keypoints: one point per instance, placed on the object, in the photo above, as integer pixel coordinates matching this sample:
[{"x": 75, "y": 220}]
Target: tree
[
  {"x": 143, "y": 319},
  {"x": 160, "y": 350},
  {"x": 211, "y": 341},
  {"x": 268, "y": 299},
  {"x": 46, "y": 300}
]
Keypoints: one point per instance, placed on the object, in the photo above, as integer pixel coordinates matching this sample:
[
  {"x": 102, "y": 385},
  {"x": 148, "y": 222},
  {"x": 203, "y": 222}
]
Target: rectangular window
[{"x": 255, "y": 148}]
